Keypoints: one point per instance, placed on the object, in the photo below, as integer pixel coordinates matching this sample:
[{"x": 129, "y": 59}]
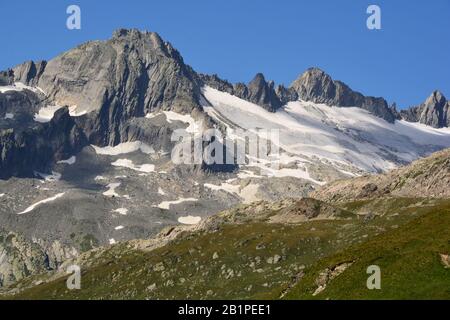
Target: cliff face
[
  {"x": 20, "y": 257},
  {"x": 317, "y": 86},
  {"x": 435, "y": 111},
  {"x": 106, "y": 85}
]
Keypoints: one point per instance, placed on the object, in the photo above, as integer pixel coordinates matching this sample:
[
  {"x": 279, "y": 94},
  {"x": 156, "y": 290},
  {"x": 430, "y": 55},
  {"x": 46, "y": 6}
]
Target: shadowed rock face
[
  {"x": 127, "y": 76},
  {"x": 435, "y": 111},
  {"x": 113, "y": 81},
  {"x": 317, "y": 86},
  {"x": 313, "y": 85},
  {"x": 262, "y": 93},
  {"x": 22, "y": 151},
  {"x": 257, "y": 91}
]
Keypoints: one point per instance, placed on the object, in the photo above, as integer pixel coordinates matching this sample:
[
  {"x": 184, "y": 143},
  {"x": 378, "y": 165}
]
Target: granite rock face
[
  {"x": 435, "y": 111},
  {"x": 21, "y": 257},
  {"x": 23, "y": 151},
  {"x": 107, "y": 84},
  {"x": 317, "y": 86},
  {"x": 128, "y": 76},
  {"x": 263, "y": 93},
  {"x": 257, "y": 91}
]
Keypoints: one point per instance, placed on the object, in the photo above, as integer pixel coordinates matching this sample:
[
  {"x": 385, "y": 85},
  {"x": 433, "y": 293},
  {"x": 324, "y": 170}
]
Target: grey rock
[
  {"x": 263, "y": 93},
  {"x": 127, "y": 76},
  {"x": 257, "y": 91},
  {"x": 115, "y": 81},
  {"x": 286, "y": 94},
  {"x": 317, "y": 86},
  {"x": 435, "y": 111},
  {"x": 21, "y": 257},
  {"x": 25, "y": 150}
]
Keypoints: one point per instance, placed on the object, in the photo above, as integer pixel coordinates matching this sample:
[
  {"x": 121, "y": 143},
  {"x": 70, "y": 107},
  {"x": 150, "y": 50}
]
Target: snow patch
[
  {"x": 74, "y": 112},
  {"x": 166, "y": 204},
  {"x": 189, "y": 220},
  {"x": 119, "y": 228},
  {"x": 32, "y": 207},
  {"x": 112, "y": 241},
  {"x": 69, "y": 161},
  {"x": 19, "y": 86},
  {"x": 9, "y": 116},
  {"x": 122, "y": 211},
  {"x": 248, "y": 193},
  {"x": 126, "y": 163},
  {"x": 55, "y": 176},
  {"x": 123, "y": 148},
  {"x": 46, "y": 114},
  {"x": 193, "y": 126},
  {"x": 112, "y": 190}
]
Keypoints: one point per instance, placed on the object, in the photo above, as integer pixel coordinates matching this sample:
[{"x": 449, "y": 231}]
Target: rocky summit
[{"x": 434, "y": 112}]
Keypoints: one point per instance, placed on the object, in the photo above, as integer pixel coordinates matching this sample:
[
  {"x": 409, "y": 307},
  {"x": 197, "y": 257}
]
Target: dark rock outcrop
[
  {"x": 127, "y": 76},
  {"x": 317, "y": 86},
  {"x": 257, "y": 91},
  {"x": 114, "y": 82},
  {"x": 35, "y": 148},
  {"x": 263, "y": 93},
  {"x": 313, "y": 85},
  {"x": 435, "y": 111}
]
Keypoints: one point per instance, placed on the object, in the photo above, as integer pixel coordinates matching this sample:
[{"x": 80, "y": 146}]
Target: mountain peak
[
  {"x": 259, "y": 78},
  {"x": 433, "y": 112},
  {"x": 314, "y": 71},
  {"x": 317, "y": 86},
  {"x": 436, "y": 98}
]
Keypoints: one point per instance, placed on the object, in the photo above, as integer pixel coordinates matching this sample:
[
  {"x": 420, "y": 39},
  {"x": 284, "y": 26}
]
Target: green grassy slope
[
  {"x": 409, "y": 259},
  {"x": 262, "y": 260}
]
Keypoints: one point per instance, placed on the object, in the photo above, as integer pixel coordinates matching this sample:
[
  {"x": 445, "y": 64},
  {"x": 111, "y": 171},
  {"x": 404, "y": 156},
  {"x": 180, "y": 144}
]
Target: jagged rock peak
[
  {"x": 147, "y": 39},
  {"x": 317, "y": 86},
  {"x": 436, "y": 98},
  {"x": 435, "y": 111},
  {"x": 263, "y": 93},
  {"x": 258, "y": 79}
]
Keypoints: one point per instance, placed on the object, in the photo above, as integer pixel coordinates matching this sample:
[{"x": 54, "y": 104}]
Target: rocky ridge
[
  {"x": 435, "y": 111},
  {"x": 427, "y": 177}
]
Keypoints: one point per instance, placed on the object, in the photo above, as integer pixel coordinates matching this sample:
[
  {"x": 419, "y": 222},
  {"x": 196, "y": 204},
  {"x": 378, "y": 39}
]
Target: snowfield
[{"x": 341, "y": 136}]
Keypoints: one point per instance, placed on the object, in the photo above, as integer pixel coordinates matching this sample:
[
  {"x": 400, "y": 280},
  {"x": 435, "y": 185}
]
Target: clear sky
[{"x": 404, "y": 61}]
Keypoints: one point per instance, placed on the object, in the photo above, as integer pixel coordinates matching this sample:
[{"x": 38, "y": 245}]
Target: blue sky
[{"x": 404, "y": 62}]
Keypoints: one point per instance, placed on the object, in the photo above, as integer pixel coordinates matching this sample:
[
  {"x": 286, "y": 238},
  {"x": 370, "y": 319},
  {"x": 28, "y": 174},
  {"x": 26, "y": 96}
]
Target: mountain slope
[
  {"x": 428, "y": 177},
  {"x": 343, "y": 139},
  {"x": 288, "y": 249},
  {"x": 413, "y": 259},
  {"x": 253, "y": 256},
  {"x": 85, "y": 141}
]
